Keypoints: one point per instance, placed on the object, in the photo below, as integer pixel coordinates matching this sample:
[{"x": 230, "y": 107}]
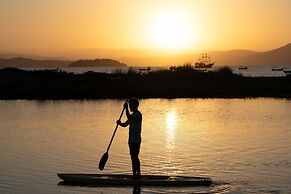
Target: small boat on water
[
  {"x": 129, "y": 180},
  {"x": 243, "y": 68},
  {"x": 204, "y": 61},
  {"x": 278, "y": 68},
  {"x": 144, "y": 70}
]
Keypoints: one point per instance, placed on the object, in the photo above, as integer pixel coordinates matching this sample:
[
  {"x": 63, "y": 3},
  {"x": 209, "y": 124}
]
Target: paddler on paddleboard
[{"x": 134, "y": 121}]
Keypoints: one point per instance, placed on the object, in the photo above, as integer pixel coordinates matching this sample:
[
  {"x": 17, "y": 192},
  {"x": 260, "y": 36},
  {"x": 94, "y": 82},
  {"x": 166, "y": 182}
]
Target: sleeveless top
[{"x": 135, "y": 128}]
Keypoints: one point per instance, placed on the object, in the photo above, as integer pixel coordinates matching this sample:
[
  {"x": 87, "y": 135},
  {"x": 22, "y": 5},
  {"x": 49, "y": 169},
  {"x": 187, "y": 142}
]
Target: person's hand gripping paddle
[{"x": 105, "y": 156}]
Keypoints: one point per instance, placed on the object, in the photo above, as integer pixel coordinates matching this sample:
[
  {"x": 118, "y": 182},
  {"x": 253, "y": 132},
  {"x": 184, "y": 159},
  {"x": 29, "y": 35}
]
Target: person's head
[{"x": 133, "y": 104}]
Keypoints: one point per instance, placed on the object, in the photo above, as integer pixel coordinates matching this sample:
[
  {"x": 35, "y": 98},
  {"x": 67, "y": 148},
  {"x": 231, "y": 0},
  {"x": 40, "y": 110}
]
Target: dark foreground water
[{"x": 244, "y": 145}]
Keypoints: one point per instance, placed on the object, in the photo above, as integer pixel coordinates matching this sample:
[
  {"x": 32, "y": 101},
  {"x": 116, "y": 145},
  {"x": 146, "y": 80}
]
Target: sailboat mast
[{"x": 206, "y": 56}]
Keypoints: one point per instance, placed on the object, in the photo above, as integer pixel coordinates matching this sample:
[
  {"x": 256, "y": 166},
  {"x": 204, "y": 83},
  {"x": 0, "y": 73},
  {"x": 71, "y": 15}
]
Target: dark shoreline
[{"x": 181, "y": 82}]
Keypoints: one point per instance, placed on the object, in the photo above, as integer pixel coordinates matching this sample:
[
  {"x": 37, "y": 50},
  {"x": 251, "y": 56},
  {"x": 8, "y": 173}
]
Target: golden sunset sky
[{"x": 80, "y": 28}]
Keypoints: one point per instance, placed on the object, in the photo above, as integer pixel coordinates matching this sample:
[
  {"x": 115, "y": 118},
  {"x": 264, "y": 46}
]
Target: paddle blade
[{"x": 103, "y": 161}]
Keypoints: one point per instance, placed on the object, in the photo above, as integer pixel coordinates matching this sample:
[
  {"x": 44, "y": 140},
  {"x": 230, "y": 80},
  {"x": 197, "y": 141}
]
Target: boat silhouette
[{"x": 204, "y": 61}]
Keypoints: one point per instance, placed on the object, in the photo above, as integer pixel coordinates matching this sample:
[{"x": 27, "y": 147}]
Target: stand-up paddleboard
[{"x": 129, "y": 180}]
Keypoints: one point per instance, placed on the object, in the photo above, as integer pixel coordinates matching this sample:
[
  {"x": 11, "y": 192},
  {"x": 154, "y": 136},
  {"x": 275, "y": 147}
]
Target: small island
[{"x": 97, "y": 63}]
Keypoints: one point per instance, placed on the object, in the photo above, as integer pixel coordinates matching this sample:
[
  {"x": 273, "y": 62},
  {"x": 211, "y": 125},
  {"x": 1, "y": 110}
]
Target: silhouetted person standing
[{"x": 134, "y": 121}]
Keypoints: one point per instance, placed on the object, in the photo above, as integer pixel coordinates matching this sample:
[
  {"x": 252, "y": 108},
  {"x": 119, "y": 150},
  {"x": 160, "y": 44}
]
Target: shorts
[{"x": 134, "y": 148}]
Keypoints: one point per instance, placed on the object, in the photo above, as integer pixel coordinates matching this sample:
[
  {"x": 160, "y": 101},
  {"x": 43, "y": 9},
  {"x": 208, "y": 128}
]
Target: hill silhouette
[
  {"x": 237, "y": 57},
  {"x": 232, "y": 57},
  {"x": 22, "y": 62},
  {"x": 276, "y": 57},
  {"x": 97, "y": 63},
  {"x": 280, "y": 56},
  {"x": 10, "y": 55},
  {"x": 26, "y": 62}
]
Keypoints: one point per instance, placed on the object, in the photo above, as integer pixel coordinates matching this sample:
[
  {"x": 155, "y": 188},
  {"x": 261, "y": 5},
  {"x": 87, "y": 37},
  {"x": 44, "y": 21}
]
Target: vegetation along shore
[{"x": 178, "y": 82}]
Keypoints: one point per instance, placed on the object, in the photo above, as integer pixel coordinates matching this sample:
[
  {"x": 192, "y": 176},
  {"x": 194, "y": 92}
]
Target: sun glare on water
[
  {"x": 171, "y": 121},
  {"x": 171, "y": 29}
]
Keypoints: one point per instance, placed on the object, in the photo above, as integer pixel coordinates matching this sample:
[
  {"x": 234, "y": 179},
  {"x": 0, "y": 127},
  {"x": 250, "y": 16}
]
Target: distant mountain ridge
[
  {"x": 276, "y": 57},
  {"x": 7, "y": 55},
  {"x": 232, "y": 57},
  {"x": 280, "y": 56},
  {"x": 26, "y": 63},
  {"x": 34, "y": 63}
]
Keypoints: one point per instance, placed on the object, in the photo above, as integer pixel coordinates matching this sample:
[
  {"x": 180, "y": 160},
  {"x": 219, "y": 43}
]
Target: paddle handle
[{"x": 115, "y": 128}]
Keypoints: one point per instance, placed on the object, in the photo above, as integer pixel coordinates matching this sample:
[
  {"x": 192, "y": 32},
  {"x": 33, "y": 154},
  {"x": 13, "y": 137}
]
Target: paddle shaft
[{"x": 115, "y": 128}]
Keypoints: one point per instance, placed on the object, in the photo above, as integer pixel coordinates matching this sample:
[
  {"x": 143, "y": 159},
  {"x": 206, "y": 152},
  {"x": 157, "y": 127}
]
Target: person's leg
[
  {"x": 137, "y": 160},
  {"x": 131, "y": 151},
  {"x": 133, "y": 165},
  {"x": 134, "y": 152},
  {"x": 137, "y": 166}
]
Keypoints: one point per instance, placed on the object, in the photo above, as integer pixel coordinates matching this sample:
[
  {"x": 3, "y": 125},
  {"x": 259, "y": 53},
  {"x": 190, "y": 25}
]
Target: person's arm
[
  {"x": 128, "y": 115},
  {"x": 125, "y": 124}
]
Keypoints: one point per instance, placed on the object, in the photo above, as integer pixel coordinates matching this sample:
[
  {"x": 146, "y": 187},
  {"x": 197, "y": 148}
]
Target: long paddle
[{"x": 105, "y": 156}]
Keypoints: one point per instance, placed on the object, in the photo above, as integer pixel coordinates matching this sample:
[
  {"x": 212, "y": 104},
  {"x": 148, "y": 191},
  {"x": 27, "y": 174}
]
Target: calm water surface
[{"x": 242, "y": 144}]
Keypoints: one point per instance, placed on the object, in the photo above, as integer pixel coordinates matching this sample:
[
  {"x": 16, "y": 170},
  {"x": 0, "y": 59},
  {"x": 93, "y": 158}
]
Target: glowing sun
[{"x": 170, "y": 29}]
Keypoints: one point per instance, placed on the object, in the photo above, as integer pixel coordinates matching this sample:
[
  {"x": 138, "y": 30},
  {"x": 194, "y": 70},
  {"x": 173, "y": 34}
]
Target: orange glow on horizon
[{"x": 77, "y": 28}]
